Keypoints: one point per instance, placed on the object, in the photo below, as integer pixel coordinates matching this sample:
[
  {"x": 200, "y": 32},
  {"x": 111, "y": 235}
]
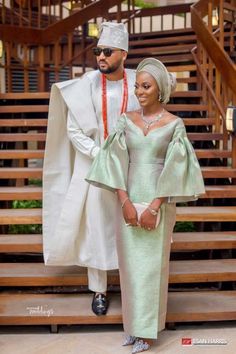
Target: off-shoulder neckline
[{"x": 151, "y": 130}]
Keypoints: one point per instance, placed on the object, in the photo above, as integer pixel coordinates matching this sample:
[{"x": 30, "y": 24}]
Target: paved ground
[{"x": 108, "y": 339}]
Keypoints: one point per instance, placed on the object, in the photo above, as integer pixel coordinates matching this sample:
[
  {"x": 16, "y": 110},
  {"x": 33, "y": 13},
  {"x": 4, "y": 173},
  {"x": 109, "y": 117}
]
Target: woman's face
[{"x": 146, "y": 89}]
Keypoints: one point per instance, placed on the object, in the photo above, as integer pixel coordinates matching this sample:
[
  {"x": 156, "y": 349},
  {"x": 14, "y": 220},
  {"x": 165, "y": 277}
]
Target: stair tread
[
  {"x": 202, "y": 270},
  {"x": 23, "y": 137},
  {"x": 164, "y": 40},
  {"x": 34, "y": 216},
  {"x": 76, "y": 309},
  {"x": 203, "y": 240},
  {"x": 177, "y": 48},
  {"x": 213, "y": 153},
  {"x": 24, "y": 108},
  {"x": 204, "y": 168},
  {"x": 34, "y": 192},
  {"x": 211, "y": 213},
  {"x": 37, "y": 274},
  {"x": 29, "y": 154},
  {"x": 13, "y": 122},
  {"x": 181, "y": 241},
  {"x": 17, "y": 154},
  {"x": 42, "y": 136},
  {"x": 201, "y": 306}
]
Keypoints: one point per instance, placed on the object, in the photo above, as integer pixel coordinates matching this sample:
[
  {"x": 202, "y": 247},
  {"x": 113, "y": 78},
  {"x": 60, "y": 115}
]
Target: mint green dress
[{"x": 160, "y": 164}]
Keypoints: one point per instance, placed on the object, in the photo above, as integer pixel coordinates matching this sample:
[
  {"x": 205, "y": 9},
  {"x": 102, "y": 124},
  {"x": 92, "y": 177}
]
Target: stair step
[
  {"x": 201, "y": 306},
  {"x": 43, "y": 122},
  {"x": 198, "y": 121},
  {"x": 25, "y": 96},
  {"x": 167, "y": 49},
  {"x": 182, "y": 68},
  {"x": 165, "y": 40},
  {"x": 212, "y": 153},
  {"x": 225, "y": 191},
  {"x": 21, "y": 193},
  {"x": 205, "y": 136},
  {"x": 186, "y": 80},
  {"x": 203, "y": 240},
  {"x": 166, "y": 33},
  {"x": 20, "y": 216},
  {"x": 202, "y": 271},
  {"x": 21, "y": 154},
  {"x": 23, "y": 137},
  {"x": 37, "y": 274},
  {"x": 200, "y": 213},
  {"x": 11, "y": 122},
  {"x": 24, "y": 108},
  {"x": 186, "y": 107},
  {"x": 31, "y": 172},
  {"x": 34, "y": 216},
  {"x": 39, "y": 154},
  {"x": 55, "y": 309},
  {"x": 218, "y": 172},
  {"x": 42, "y": 136},
  {"x": 193, "y": 93},
  {"x": 165, "y": 58},
  {"x": 31, "y": 192},
  {"x": 20, "y": 172},
  {"x": 49, "y": 309},
  {"x": 32, "y": 243}
]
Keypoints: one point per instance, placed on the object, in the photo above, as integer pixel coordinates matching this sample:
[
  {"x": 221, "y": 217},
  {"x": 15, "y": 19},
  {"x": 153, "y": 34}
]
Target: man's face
[{"x": 109, "y": 60}]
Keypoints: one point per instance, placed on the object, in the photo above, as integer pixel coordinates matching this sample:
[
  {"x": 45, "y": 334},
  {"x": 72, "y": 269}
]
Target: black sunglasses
[{"x": 106, "y": 51}]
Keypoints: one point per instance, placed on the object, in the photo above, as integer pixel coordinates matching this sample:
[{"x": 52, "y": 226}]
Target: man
[{"x": 79, "y": 219}]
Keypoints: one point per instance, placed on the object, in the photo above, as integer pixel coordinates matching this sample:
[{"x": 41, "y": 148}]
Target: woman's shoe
[
  {"x": 140, "y": 346},
  {"x": 129, "y": 340}
]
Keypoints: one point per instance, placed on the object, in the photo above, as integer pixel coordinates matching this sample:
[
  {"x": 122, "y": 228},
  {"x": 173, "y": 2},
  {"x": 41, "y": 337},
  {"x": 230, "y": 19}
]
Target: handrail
[
  {"x": 32, "y": 36},
  {"x": 206, "y": 82},
  {"x": 217, "y": 54},
  {"x": 83, "y": 51}
]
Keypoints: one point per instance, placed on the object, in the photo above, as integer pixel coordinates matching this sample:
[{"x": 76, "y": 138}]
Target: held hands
[{"x": 148, "y": 218}]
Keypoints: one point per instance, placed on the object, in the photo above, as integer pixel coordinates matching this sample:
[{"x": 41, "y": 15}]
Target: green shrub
[
  {"x": 142, "y": 4},
  {"x": 184, "y": 226},
  {"x": 26, "y": 229},
  {"x": 36, "y": 182}
]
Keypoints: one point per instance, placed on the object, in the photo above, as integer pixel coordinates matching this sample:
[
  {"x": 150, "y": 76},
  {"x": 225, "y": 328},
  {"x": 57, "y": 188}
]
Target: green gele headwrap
[{"x": 166, "y": 81}]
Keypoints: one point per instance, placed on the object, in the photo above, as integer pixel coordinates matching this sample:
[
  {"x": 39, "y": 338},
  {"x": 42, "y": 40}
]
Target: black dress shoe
[{"x": 100, "y": 304}]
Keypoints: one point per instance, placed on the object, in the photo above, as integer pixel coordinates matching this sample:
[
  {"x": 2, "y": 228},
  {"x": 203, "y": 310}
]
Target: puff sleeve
[
  {"x": 109, "y": 169},
  {"x": 181, "y": 178}
]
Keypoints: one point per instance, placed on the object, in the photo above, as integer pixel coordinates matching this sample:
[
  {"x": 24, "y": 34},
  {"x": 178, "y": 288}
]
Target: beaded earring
[{"x": 159, "y": 98}]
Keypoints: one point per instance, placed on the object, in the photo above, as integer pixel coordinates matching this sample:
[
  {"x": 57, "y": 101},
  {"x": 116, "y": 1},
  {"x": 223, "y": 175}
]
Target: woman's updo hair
[{"x": 166, "y": 81}]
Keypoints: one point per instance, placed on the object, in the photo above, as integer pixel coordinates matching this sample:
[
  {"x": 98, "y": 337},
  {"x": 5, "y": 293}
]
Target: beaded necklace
[{"x": 104, "y": 101}]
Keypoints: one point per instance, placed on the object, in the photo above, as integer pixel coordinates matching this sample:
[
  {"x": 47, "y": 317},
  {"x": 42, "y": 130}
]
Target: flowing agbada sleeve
[
  {"x": 181, "y": 178},
  {"x": 110, "y": 167}
]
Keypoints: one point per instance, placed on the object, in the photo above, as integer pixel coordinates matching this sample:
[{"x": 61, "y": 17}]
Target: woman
[{"x": 148, "y": 160}]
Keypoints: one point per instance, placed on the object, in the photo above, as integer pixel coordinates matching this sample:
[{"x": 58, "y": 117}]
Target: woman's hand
[
  {"x": 130, "y": 214},
  {"x": 147, "y": 220}
]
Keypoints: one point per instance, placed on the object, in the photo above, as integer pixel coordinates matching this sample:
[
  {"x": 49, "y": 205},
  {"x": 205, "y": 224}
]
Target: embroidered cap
[{"x": 114, "y": 35}]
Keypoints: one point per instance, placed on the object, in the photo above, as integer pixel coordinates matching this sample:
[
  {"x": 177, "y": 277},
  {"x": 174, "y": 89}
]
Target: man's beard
[{"x": 110, "y": 69}]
